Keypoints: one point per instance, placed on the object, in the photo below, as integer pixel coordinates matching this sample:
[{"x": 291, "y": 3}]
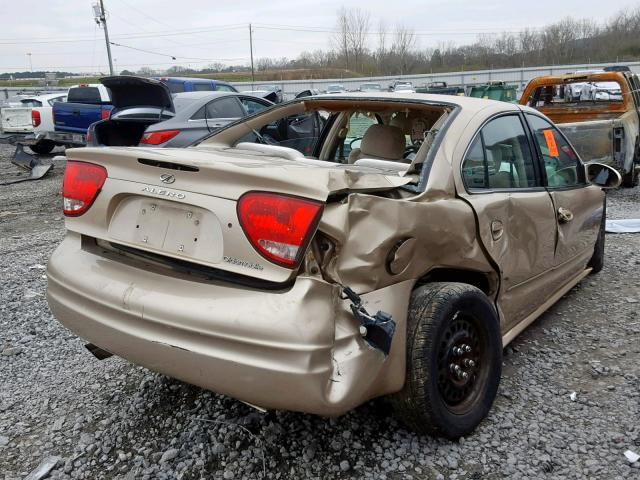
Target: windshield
[{"x": 335, "y": 87}]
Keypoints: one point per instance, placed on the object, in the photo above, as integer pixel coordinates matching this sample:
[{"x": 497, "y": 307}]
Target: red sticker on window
[{"x": 551, "y": 143}]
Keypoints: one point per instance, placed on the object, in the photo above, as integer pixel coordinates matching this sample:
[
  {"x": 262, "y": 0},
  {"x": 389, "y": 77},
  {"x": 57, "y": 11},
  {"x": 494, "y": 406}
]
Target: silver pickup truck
[{"x": 599, "y": 112}]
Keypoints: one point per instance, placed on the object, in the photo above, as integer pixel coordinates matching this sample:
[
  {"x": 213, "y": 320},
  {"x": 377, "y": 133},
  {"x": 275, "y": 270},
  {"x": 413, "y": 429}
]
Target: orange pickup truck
[{"x": 599, "y": 114}]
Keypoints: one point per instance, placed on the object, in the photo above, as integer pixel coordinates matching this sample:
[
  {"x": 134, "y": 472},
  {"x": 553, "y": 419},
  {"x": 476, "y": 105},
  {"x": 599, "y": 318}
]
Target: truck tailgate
[
  {"x": 17, "y": 119},
  {"x": 76, "y": 117}
]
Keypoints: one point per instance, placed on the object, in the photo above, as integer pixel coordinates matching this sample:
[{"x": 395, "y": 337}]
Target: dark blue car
[{"x": 186, "y": 84}]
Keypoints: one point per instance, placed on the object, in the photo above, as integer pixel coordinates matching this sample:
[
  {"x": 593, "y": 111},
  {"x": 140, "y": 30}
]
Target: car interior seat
[{"x": 380, "y": 142}]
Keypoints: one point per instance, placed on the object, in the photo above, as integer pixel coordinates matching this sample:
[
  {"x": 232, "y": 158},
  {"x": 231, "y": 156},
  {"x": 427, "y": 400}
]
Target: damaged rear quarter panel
[{"x": 367, "y": 228}]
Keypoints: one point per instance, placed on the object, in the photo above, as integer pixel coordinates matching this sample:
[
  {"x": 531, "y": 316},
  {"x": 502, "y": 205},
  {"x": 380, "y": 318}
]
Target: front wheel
[
  {"x": 597, "y": 260},
  {"x": 454, "y": 360}
]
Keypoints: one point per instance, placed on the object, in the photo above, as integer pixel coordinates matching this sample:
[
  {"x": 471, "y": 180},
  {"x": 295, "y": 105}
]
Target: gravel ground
[{"x": 110, "y": 419}]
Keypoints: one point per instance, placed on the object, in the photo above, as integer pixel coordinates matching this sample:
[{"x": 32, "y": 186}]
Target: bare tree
[
  {"x": 404, "y": 42},
  {"x": 340, "y": 40},
  {"x": 357, "y": 34}
]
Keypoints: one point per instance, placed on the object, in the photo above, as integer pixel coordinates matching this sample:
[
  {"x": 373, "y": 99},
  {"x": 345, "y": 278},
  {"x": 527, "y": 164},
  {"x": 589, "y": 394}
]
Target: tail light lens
[
  {"x": 80, "y": 187},
  {"x": 104, "y": 114},
  {"x": 158, "y": 138},
  {"x": 36, "y": 120},
  {"x": 278, "y": 226}
]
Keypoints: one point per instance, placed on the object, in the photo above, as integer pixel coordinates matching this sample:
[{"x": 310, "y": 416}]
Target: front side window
[
  {"x": 500, "y": 157},
  {"x": 561, "y": 163},
  {"x": 227, "y": 107}
]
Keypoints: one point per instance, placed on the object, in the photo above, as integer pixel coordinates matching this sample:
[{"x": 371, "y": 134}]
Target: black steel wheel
[{"x": 454, "y": 360}]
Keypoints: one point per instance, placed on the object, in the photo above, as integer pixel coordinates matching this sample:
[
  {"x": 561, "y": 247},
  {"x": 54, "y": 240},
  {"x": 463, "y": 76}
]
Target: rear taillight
[
  {"x": 35, "y": 118},
  {"x": 158, "y": 138},
  {"x": 104, "y": 114},
  {"x": 278, "y": 226},
  {"x": 81, "y": 185}
]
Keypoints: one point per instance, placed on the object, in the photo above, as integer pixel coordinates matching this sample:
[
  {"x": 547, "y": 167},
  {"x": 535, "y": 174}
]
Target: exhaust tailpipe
[{"x": 97, "y": 352}]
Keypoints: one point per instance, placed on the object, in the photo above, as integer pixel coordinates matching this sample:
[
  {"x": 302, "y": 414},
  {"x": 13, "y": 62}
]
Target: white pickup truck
[{"x": 34, "y": 115}]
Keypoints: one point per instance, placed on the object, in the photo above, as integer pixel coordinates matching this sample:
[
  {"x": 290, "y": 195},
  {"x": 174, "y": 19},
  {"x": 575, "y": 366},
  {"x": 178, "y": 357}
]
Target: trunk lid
[
  {"x": 128, "y": 91},
  {"x": 182, "y": 203}
]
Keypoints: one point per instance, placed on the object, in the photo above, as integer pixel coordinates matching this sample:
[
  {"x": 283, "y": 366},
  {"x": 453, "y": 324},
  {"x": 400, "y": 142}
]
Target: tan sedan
[{"x": 331, "y": 250}]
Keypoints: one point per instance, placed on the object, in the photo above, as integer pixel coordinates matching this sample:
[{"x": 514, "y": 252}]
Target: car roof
[
  {"x": 45, "y": 96},
  {"x": 190, "y": 79},
  {"x": 204, "y": 94},
  {"x": 469, "y": 103}
]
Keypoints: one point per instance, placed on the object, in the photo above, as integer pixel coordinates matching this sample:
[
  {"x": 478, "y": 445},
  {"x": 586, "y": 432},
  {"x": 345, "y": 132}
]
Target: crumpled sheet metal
[
  {"x": 629, "y": 225},
  {"x": 367, "y": 228},
  {"x": 233, "y": 173}
]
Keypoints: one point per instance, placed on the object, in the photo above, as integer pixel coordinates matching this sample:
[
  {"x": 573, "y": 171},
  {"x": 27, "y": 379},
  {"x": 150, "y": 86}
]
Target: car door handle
[
  {"x": 497, "y": 229},
  {"x": 564, "y": 215}
]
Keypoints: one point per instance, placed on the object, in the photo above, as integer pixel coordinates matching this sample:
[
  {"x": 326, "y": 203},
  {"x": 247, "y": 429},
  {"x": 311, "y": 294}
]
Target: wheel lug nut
[
  {"x": 469, "y": 363},
  {"x": 467, "y": 348},
  {"x": 464, "y": 375}
]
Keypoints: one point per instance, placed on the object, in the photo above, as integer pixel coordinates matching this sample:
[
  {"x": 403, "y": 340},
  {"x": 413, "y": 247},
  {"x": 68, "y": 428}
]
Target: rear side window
[
  {"x": 199, "y": 115},
  {"x": 202, "y": 87},
  {"x": 500, "y": 157},
  {"x": 561, "y": 163},
  {"x": 227, "y": 107},
  {"x": 252, "y": 106},
  {"x": 225, "y": 88},
  {"x": 84, "y": 95}
]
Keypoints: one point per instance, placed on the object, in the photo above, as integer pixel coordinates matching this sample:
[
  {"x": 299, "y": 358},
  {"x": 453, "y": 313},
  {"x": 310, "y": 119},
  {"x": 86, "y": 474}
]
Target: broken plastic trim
[
  {"x": 378, "y": 329},
  {"x": 31, "y": 163}
]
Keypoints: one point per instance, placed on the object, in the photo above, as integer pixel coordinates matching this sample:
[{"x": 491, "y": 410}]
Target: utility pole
[
  {"x": 253, "y": 77},
  {"x": 30, "y": 64},
  {"x": 101, "y": 19}
]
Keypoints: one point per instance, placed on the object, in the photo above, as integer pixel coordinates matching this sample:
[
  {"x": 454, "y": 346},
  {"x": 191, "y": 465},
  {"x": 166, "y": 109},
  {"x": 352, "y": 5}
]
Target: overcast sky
[{"x": 62, "y": 35}]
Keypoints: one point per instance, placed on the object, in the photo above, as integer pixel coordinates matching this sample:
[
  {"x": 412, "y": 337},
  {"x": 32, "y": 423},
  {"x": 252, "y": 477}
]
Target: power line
[
  {"x": 58, "y": 67},
  {"x": 264, "y": 26},
  {"x": 173, "y": 57},
  {"x": 123, "y": 36}
]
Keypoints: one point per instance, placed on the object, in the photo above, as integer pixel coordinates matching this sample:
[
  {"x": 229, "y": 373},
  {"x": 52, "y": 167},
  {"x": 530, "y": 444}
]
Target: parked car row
[{"x": 90, "y": 113}]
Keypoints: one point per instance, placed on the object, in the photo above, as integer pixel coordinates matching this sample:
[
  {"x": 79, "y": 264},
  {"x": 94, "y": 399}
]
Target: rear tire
[
  {"x": 43, "y": 147},
  {"x": 436, "y": 399},
  {"x": 597, "y": 260}
]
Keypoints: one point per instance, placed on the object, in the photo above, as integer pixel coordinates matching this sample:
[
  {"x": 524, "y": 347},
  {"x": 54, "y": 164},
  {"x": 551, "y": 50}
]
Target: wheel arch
[{"x": 487, "y": 282}]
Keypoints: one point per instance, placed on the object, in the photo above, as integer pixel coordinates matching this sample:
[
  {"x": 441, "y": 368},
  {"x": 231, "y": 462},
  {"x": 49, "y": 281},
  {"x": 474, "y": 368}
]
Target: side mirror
[{"x": 603, "y": 175}]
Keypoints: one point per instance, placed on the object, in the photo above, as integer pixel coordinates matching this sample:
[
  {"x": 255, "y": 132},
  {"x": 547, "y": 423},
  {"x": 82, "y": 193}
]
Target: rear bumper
[{"x": 297, "y": 349}]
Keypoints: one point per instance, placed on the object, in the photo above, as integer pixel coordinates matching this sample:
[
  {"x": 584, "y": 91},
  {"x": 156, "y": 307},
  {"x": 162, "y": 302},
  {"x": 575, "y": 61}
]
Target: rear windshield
[
  {"x": 581, "y": 93},
  {"x": 30, "y": 102},
  {"x": 84, "y": 95}
]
